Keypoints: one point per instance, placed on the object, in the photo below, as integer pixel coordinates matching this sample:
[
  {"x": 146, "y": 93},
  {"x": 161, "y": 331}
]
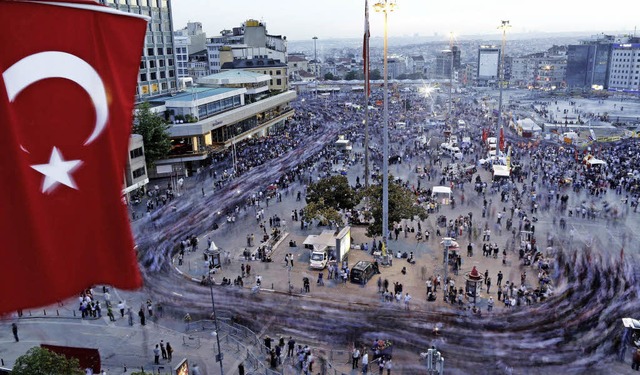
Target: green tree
[
  {"x": 327, "y": 197},
  {"x": 42, "y": 361},
  {"x": 402, "y": 205},
  {"x": 351, "y": 76},
  {"x": 155, "y": 133},
  {"x": 375, "y": 74},
  {"x": 330, "y": 77}
]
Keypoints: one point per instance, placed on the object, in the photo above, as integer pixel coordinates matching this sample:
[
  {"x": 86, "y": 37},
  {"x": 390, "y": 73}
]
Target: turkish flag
[{"x": 68, "y": 72}]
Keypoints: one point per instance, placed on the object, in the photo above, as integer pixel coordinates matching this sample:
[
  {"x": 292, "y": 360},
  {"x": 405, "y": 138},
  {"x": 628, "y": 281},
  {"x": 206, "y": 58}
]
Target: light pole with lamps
[
  {"x": 504, "y": 26},
  {"x": 220, "y": 356},
  {"x": 385, "y": 6}
]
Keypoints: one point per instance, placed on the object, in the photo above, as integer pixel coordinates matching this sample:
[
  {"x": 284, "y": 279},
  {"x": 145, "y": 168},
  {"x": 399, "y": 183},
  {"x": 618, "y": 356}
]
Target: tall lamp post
[
  {"x": 386, "y": 7},
  {"x": 503, "y": 26},
  {"x": 219, "y": 357}
]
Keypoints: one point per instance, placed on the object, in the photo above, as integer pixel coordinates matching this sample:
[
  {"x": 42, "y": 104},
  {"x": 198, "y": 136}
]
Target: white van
[{"x": 449, "y": 149}]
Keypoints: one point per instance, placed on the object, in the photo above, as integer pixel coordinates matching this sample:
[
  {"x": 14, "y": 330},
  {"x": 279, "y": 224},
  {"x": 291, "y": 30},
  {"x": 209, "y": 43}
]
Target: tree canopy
[
  {"x": 402, "y": 205},
  {"x": 328, "y": 196},
  {"x": 45, "y": 362},
  {"x": 154, "y": 131}
]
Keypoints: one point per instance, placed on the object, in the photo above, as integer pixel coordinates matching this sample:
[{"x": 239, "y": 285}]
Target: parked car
[{"x": 362, "y": 272}]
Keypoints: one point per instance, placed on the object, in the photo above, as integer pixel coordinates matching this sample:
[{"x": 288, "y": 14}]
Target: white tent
[{"x": 594, "y": 161}]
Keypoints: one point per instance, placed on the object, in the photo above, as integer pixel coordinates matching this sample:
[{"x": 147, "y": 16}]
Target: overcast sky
[{"x": 303, "y": 19}]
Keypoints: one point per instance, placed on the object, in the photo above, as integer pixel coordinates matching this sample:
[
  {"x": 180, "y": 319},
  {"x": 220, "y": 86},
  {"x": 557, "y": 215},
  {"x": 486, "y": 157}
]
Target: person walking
[
  {"x": 156, "y": 355},
  {"x": 142, "y": 317},
  {"x": 14, "y": 329},
  {"x": 365, "y": 363},
  {"x": 163, "y": 350},
  {"x": 169, "y": 351},
  {"x": 388, "y": 365},
  {"x": 355, "y": 356}
]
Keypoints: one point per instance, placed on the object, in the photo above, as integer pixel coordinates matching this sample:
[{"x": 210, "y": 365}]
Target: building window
[
  {"x": 171, "y": 73},
  {"x": 164, "y": 86},
  {"x": 160, "y": 51},
  {"x": 163, "y": 75},
  {"x": 169, "y": 51},
  {"x": 142, "y": 65},
  {"x": 278, "y": 72},
  {"x": 170, "y": 62},
  {"x": 139, "y": 172},
  {"x": 143, "y": 77},
  {"x": 152, "y": 64},
  {"x": 161, "y": 62},
  {"x": 278, "y": 82},
  {"x": 153, "y": 76},
  {"x": 150, "y": 51},
  {"x": 136, "y": 153}
]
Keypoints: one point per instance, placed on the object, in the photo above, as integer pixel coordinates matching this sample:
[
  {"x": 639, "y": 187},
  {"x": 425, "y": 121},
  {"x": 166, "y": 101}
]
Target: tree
[
  {"x": 154, "y": 131},
  {"x": 329, "y": 77},
  {"x": 402, "y": 205},
  {"x": 375, "y": 74},
  {"x": 351, "y": 76},
  {"x": 327, "y": 197},
  {"x": 45, "y": 362}
]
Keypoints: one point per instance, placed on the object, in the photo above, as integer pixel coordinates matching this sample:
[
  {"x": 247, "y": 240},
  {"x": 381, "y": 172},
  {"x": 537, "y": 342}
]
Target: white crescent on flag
[{"x": 55, "y": 64}]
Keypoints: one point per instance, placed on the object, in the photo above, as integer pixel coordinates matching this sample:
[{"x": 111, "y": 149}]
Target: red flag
[
  {"x": 365, "y": 50},
  {"x": 484, "y": 135},
  {"x": 501, "y": 144},
  {"x": 67, "y": 82}
]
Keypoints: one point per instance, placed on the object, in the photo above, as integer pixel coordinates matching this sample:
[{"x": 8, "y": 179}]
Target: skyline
[{"x": 413, "y": 17}]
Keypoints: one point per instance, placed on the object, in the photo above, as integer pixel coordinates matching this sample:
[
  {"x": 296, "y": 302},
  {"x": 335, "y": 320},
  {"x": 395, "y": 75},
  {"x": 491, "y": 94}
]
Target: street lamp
[
  {"x": 385, "y": 6},
  {"x": 503, "y": 26},
  {"x": 447, "y": 242},
  {"x": 220, "y": 356}
]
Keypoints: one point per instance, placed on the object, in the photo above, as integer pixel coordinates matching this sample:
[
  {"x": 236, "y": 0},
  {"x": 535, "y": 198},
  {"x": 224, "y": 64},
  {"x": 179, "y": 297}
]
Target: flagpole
[
  {"x": 365, "y": 53},
  {"x": 504, "y": 26}
]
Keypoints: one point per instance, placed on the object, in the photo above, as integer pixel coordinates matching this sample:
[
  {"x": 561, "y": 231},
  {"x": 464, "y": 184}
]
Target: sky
[{"x": 327, "y": 19}]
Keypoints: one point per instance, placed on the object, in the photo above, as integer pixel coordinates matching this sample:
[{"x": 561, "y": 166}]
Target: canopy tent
[{"x": 594, "y": 161}]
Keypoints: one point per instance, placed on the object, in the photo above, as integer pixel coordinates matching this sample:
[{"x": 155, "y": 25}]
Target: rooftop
[
  {"x": 234, "y": 77},
  {"x": 255, "y": 63},
  {"x": 197, "y": 93}
]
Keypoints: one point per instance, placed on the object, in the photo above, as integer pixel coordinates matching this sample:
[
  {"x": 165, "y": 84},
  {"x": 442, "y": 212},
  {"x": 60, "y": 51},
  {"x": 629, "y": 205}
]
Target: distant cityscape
[{"x": 216, "y": 90}]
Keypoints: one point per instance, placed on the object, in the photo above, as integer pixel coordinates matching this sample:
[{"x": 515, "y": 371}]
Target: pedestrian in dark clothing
[
  {"x": 14, "y": 329},
  {"x": 142, "y": 317},
  {"x": 291, "y": 345},
  {"x": 163, "y": 350},
  {"x": 241, "y": 369},
  {"x": 169, "y": 351}
]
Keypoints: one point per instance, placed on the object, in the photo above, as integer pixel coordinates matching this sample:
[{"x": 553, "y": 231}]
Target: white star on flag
[{"x": 57, "y": 171}]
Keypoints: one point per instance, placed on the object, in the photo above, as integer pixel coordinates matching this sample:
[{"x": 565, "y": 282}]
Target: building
[
  {"x": 157, "y": 69},
  {"x": 488, "y": 65},
  {"x": 624, "y": 68},
  {"x": 588, "y": 63},
  {"x": 189, "y": 44},
  {"x": 416, "y": 64},
  {"x": 249, "y": 41},
  {"x": 443, "y": 66},
  {"x": 276, "y": 69},
  {"x": 224, "y": 109},
  {"x": 135, "y": 174},
  {"x": 198, "y": 65},
  {"x": 297, "y": 63}
]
